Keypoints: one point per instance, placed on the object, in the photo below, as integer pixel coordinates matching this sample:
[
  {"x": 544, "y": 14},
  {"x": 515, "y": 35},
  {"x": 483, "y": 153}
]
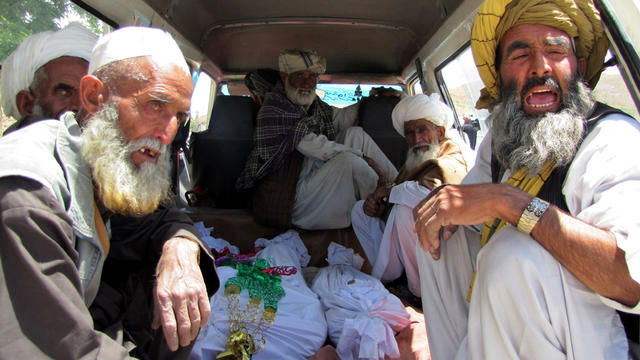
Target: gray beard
[
  {"x": 121, "y": 186},
  {"x": 414, "y": 159},
  {"x": 299, "y": 96},
  {"x": 520, "y": 140}
]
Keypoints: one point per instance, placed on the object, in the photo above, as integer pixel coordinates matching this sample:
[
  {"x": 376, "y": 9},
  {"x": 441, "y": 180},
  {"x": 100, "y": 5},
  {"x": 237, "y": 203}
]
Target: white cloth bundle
[
  {"x": 300, "y": 328},
  {"x": 292, "y": 239},
  {"x": 214, "y": 243},
  {"x": 361, "y": 314},
  {"x": 340, "y": 255}
]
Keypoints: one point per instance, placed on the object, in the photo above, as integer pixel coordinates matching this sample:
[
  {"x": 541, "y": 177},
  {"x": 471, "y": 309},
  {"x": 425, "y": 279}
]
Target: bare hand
[
  {"x": 376, "y": 203},
  {"x": 326, "y": 352},
  {"x": 452, "y": 205},
  {"x": 412, "y": 340},
  {"x": 181, "y": 304}
]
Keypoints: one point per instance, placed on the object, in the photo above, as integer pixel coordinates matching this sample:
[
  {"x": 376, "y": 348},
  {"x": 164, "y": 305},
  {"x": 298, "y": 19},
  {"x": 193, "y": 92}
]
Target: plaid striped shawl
[{"x": 280, "y": 126}]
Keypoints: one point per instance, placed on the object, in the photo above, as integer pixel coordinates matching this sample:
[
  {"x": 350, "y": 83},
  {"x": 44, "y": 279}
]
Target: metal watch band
[{"x": 531, "y": 215}]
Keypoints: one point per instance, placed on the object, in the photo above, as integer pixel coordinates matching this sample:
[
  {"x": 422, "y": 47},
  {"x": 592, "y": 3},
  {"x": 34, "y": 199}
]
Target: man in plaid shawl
[{"x": 338, "y": 166}]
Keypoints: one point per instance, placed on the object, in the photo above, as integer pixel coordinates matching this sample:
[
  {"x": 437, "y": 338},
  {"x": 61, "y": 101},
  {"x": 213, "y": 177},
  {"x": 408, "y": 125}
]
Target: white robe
[
  {"x": 334, "y": 175},
  {"x": 525, "y": 304},
  {"x": 390, "y": 247}
]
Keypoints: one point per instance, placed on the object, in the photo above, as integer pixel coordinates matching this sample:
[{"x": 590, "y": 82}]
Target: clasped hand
[{"x": 439, "y": 214}]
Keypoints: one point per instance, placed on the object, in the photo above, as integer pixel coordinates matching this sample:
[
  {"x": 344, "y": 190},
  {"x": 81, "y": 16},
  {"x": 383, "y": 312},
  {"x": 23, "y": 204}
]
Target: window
[
  {"x": 612, "y": 91},
  {"x": 202, "y": 101},
  {"x": 341, "y": 95},
  {"x": 460, "y": 84}
]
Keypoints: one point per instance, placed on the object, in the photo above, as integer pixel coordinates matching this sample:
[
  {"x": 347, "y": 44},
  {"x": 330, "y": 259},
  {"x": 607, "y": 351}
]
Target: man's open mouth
[
  {"x": 541, "y": 98},
  {"x": 149, "y": 152}
]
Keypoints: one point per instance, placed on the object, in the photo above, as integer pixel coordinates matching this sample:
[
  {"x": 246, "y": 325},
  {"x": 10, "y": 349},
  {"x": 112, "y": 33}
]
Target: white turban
[
  {"x": 19, "y": 68},
  {"x": 428, "y": 107},
  {"x": 135, "y": 41},
  {"x": 293, "y": 60}
]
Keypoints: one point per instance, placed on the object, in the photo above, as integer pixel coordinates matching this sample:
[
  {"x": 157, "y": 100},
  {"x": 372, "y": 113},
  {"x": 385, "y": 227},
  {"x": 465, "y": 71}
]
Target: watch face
[{"x": 537, "y": 207}]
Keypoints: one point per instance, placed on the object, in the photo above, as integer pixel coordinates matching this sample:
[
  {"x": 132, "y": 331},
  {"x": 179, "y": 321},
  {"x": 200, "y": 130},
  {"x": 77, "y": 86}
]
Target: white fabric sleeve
[
  {"x": 345, "y": 117},
  {"x": 321, "y": 148},
  {"x": 602, "y": 187}
]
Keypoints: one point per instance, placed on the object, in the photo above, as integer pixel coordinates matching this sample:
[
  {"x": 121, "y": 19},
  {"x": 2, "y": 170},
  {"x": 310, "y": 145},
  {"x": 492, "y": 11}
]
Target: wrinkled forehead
[{"x": 528, "y": 35}]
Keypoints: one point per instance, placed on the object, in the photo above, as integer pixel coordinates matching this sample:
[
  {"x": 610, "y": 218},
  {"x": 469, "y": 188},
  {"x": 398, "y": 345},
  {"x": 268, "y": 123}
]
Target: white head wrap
[
  {"x": 19, "y": 67},
  {"x": 428, "y": 107},
  {"x": 293, "y": 60},
  {"x": 135, "y": 41}
]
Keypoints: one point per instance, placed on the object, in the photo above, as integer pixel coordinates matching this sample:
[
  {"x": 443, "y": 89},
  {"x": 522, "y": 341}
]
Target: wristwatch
[{"x": 531, "y": 214}]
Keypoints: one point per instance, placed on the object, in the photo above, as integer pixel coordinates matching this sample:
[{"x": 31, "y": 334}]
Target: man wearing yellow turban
[{"x": 551, "y": 196}]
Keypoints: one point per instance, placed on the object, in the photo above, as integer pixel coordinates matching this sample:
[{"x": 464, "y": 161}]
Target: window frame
[{"x": 442, "y": 86}]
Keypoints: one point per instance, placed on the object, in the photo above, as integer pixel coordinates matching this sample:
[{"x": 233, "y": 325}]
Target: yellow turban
[{"x": 578, "y": 18}]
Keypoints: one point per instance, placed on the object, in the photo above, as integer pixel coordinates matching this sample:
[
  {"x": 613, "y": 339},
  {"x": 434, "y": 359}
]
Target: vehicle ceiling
[{"x": 357, "y": 36}]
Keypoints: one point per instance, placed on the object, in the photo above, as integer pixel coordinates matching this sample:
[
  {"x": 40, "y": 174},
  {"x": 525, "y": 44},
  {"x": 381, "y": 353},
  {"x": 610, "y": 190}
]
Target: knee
[
  {"x": 402, "y": 218},
  {"x": 354, "y": 132},
  {"x": 510, "y": 260},
  {"x": 349, "y": 162},
  {"x": 357, "y": 212}
]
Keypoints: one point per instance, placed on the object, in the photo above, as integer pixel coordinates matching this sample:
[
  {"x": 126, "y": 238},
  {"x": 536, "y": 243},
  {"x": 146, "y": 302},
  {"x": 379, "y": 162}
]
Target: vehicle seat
[
  {"x": 374, "y": 116},
  {"x": 220, "y": 152}
]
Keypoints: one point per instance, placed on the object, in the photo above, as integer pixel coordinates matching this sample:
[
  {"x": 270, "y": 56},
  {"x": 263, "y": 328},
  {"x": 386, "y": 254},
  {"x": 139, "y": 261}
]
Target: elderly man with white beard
[
  {"x": 309, "y": 165},
  {"x": 434, "y": 158},
  {"x": 60, "y": 181},
  {"x": 553, "y": 191}
]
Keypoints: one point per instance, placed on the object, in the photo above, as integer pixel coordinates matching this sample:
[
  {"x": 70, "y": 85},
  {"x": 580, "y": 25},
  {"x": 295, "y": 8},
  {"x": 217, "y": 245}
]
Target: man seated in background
[
  {"x": 60, "y": 182},
  {"x": 308, "y": 165},
  {"x": 40, "y": 77},
  {"x": 433, "y": 159}
]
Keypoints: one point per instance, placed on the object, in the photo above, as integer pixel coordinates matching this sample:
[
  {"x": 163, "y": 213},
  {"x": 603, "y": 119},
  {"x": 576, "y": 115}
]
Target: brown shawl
[{"x": 448, "y": 168}]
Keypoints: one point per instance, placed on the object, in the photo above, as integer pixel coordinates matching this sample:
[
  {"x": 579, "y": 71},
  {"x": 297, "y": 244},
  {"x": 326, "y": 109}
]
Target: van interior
[{"x": 403, "y": 44}]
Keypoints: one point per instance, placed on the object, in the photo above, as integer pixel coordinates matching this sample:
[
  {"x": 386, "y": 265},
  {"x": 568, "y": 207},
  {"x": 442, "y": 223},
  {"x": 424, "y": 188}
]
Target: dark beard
[{"x": 521, "y": 140}]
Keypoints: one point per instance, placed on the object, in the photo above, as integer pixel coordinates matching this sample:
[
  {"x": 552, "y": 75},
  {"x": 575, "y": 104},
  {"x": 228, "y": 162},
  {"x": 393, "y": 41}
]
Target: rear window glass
[{"x": 341, "y": 95}]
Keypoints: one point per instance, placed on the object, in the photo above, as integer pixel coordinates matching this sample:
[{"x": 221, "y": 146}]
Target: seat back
[
  {"x": 219, "y": 153},
  {"x": 374, "y": 117}
]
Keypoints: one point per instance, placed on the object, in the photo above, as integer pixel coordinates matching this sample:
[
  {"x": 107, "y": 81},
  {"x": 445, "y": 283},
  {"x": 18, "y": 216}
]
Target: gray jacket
[{"x": 52, "y": 158}]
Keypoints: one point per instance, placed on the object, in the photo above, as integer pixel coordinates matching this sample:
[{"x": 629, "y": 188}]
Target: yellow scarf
[{"x": 530, "y": 185}]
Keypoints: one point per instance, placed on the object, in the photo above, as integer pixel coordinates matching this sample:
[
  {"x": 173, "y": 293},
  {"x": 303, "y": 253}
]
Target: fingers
[
  {"x": 205, "y": 307},
  {"x": 168, "y": 319},
  {"x": 181, "y": 315},
  {"x": 195, "y": 319},
  {"x": 181, "y": 310}
]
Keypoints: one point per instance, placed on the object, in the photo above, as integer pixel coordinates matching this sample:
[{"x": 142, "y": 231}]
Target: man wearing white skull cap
[
  {"x": 309, "y": 164},
  {"x": 40, "y": 77},
  {"x": 433, "y": 159},
  {"x": 61, "y": 184}
]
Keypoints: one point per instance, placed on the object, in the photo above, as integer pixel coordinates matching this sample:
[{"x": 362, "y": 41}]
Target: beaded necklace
[{"x": 262, "y": 282}]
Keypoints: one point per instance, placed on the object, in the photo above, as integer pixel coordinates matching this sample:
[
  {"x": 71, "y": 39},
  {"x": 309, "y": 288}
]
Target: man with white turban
[
  {"x": 60, "y": 183},
  {"x": 545, "y": 217},
  {"x": 433, "y": 159},
  {"x": 40, "y": 77},
  {"x": 309, "y": 165}
]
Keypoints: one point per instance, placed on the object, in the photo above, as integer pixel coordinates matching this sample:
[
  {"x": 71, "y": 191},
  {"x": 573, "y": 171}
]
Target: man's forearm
[{"x": 590, "y": 253}]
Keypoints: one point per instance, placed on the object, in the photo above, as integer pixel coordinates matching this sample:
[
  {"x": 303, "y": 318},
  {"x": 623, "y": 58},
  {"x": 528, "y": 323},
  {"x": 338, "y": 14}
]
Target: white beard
[
  {"x": 121, "y": 186},
  {"x": 299, "y": 96},
  {"x": 414, "y": 159},
  {"x": 520, "y": 140}
]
